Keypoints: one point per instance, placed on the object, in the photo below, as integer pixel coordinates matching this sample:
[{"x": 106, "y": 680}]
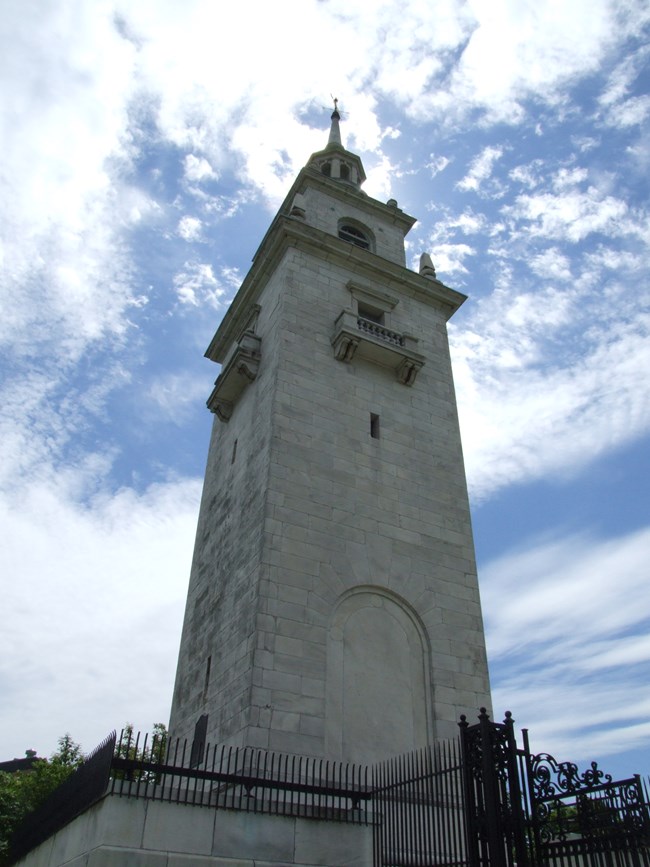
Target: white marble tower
[{"x": 333, "y": 607}]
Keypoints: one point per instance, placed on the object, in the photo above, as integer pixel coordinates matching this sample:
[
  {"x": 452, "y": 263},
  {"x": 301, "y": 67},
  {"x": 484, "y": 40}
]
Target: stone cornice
[{"x": 287, "y": 232}]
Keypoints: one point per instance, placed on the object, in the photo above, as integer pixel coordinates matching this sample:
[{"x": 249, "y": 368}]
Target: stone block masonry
[{"x": 138, "y": 833}]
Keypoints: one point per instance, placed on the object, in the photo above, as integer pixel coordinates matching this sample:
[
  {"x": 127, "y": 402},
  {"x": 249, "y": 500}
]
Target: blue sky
[{"x": 146, "y": 147}]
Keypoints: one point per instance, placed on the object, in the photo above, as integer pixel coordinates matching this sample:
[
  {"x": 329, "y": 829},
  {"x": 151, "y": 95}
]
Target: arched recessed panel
[{"x": 378, "y": 693}]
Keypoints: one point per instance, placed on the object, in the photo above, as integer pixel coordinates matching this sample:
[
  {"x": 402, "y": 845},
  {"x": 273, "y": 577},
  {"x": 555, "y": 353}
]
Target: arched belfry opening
[{"x": 355, "y": 233}]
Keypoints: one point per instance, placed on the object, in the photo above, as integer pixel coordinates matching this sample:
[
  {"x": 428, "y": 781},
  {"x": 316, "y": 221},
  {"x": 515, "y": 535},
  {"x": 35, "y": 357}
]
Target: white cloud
[
  {"x": 624, "y": 75},
  {"x": 448, "y": 258},
  {"x": 519, "y": 49},
  {"x": 437, "y": 164},
  {"x": 528, "y": 175},
  {"x": 525, "y": 414},
  {"x": 198, "y": 169},
  {"x": 619, "y": 106},
  {"x": 175, "y": 395},
  {"x": 551, "y": 263},
  {"x": 404, "y": 49},
  {"x": 63, "y": 261},
  {"x": 615, "y": 260},
  {"x": 467, "y": 222},
  {"x": 565, "y": 179},
  {"x": 572, "y": 215},
  {"x": 109, "y": 578},
  {"x": 632, "y": 112},
  {"x": 481, "y": 168},
  {"x": 379, "y": 179},
  {"x": 527, "y": 592},
  {"x": 197, "y": 284},
  {"x": 585, "y": 143},
  {"x": 567, "y": 624},
  {"x": 189, "y": 228}
]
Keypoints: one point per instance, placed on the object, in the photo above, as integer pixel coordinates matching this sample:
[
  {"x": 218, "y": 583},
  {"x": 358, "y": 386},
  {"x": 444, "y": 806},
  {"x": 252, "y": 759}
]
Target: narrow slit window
[
  {"x": 374, "y": 426},
  {"x": 234, "y": 452},
  {"x": 208, "y": 665}
]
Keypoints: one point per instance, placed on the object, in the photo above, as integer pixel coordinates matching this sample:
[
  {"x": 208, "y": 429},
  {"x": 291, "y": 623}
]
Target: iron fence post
[
  {"x": 493, "y": 824},
  {"x": 472, "y": 830},
  {"x": 530, "y": 784},
  {"x": 518, "y": 820}
]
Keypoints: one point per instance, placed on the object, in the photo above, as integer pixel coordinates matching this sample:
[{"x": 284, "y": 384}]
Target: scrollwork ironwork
[
  {"x": 498, "y": 750},
  {"x": 581, "y": 807},
  {"x": 552, "y": 778}
]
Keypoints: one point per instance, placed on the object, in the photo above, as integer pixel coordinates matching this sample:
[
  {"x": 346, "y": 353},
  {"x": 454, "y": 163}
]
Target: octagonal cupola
[{"x": 335, "y": 161}]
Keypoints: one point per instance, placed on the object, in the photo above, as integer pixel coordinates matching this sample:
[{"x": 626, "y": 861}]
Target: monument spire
[
  {"x": 333, "y": 608},
  {"x": 334, "y": 160},
  {"x": 335, "y": 132}
]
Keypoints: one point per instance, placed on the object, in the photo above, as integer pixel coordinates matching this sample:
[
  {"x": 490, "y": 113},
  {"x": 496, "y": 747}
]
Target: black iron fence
[
  {"x": 219, "y": 777},
  {"x": 242, "y": 778},
  {"x": 418, "y": 807},
  {"x": 81, "y": 789},
  {"x": 480, "y": 802}
]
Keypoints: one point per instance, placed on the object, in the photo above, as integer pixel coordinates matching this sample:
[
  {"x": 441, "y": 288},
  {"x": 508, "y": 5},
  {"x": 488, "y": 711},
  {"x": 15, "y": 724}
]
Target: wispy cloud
[
  {"x": 189, "y": 228},
  {"x": 65, "y": 205},
  {"x": 449, "y": 258},
  {"x": 573, "y": 215},
  {"x": 197, "y": 284},
  {"x": 480, "y": 169},
  {"x": 571, "y": 643},
  {"x": 621, "y": 107},
  {"x": 437, "y": 164},
  {"x": 198, "y": 169},
  {"x": 526, "y": 411}
]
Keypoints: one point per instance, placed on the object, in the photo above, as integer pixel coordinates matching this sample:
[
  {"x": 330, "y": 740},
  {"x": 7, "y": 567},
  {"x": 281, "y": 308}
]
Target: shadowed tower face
[{"x": 333, "y": 607}]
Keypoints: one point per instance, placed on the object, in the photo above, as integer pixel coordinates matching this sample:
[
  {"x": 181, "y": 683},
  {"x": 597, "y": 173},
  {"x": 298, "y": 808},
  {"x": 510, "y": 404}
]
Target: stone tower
[{"x": 333, "y": 607}]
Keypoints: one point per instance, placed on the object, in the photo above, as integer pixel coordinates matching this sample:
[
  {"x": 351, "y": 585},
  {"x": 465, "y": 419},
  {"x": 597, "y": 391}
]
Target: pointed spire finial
[{"x": 335, "y": 132}]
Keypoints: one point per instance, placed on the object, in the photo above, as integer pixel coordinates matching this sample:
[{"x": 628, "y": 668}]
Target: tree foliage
[
  {"x": 129, "y": 746},
  {"x": 22, "y": 792}
]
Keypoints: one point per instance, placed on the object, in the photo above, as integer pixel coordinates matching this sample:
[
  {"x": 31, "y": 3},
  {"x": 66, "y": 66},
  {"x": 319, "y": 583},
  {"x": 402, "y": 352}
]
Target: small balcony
[
  {"x": 238, "y": 371},
  {"x": 357, "y": 337}
]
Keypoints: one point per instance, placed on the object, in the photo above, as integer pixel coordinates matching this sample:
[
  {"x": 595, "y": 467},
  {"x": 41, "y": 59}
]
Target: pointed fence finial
[{"x": 335, "y": 132}]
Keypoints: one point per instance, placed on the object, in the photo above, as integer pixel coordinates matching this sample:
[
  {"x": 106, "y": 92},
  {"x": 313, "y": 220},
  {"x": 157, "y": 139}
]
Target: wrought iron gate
[
  {"x": 531, "y": 811},
  {"x": 585, "y": 818},
  {"x": 496, "y": 828},
  {"x": 486, "y": 802}
]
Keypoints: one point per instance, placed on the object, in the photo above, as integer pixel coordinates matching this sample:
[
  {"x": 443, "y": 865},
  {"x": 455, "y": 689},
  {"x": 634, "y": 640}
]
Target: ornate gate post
[{"x": 495, "y": 823}]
